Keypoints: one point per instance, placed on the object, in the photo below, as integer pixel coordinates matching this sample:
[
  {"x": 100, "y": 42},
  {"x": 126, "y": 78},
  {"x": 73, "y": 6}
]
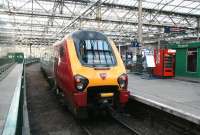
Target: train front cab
[{"x": 95, "y": 74}]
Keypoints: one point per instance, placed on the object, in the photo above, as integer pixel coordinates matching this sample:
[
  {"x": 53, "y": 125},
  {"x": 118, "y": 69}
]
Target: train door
[{"x": 61, "y": 67}]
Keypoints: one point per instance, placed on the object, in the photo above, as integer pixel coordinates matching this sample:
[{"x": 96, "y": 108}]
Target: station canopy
[{"x": 42, "y": 22}]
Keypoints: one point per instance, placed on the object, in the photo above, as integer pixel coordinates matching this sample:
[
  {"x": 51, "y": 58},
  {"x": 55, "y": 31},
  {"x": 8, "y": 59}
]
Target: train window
[
  {"x": 61, "y": 51},
  {"x": 96, "y": 52}
]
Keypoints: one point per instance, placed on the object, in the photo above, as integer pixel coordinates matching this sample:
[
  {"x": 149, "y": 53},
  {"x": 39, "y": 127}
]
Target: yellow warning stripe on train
[{"x": 106, "y": 94}]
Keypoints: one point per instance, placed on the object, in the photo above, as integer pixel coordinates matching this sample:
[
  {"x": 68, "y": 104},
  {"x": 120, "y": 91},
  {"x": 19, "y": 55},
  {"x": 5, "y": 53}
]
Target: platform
[
  {"x": 7, "y": 89},
  {"x": 188, "y": 79},
  {"x": 176, "y": 97}
]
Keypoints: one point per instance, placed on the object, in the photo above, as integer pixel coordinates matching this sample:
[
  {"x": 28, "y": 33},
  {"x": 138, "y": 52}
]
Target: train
[{"x": 87, "y": 70}]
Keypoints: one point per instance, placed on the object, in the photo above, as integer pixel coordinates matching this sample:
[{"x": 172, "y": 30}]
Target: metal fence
[
  {"x": 31, "y": 61},
  {"x": 5, "y": 67}
]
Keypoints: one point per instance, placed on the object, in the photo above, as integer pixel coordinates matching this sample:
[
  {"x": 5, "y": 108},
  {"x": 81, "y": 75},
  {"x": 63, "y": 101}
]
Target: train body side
[{"x": 63, "y": 70}]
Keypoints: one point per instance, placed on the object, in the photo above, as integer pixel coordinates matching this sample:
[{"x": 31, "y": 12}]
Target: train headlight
[
  {"x": 81, "y": 82},
  {"x": 123, "y": 81}
]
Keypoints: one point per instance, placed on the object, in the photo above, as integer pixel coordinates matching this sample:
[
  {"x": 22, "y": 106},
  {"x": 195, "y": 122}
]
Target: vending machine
[{"x": 165, "y": 62}]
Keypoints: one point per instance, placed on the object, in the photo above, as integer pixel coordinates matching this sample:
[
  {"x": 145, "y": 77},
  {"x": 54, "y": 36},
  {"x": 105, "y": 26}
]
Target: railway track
[
  {"x": 86, "y": 130},
  {"x": 132, "y": 124},
  {"x": 42, "y": 105},
  {"x": 118, "y": 119},
  {"x": 115, "y": 118}
]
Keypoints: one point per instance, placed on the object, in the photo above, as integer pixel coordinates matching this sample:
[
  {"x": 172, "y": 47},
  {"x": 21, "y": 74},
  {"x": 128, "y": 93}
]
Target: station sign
[{"x": 169, "y": 29}]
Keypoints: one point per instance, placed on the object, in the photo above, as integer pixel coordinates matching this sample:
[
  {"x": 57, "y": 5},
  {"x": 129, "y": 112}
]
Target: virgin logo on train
[{"x": 103, "y": 75}]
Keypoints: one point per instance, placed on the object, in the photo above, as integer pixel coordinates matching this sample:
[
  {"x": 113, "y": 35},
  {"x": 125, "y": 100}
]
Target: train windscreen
[{"x": 96, "y": 53}]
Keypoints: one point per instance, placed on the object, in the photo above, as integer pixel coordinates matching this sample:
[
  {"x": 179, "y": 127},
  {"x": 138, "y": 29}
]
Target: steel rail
[
  {"x": 87, "y": 131},
  {"x": 126, "y": 125},
  {"x": 116, "y": 116}
]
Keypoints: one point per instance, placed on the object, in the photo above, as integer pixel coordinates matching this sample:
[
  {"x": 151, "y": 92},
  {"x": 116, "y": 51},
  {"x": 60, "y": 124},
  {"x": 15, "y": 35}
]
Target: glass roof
[{"x": 32, "y": 20}]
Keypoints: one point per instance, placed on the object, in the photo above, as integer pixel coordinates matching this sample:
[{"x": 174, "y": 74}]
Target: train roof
[
  {"x": 88, "y": 34},
  {"x": 84, "y": 35}
]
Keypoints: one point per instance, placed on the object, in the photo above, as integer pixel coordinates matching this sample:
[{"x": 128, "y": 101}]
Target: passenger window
[
  {"x": 61, "y": 51},
  {"x": 96, "y": 52}
]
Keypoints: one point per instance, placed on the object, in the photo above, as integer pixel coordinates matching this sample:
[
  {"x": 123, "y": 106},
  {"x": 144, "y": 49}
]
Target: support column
[
  {"x": 198, "y": 25},
  {"x": 31, "y": 29},
  {"x": 159, "y": 38},
  {"x": 98, "y": 15},
  {"x": 30, "y": 49},
  {"x": 119, "y": 49},
  {"x": 158, "y": 48},
  {"x": 138, "y": 66},
  {"x": 139, "y": 24}
]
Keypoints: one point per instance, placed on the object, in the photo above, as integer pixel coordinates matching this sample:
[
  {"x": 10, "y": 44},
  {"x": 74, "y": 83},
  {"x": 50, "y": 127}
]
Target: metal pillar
[
  {"x": 158, "y": 43},
  {"x": 159, "y": 38},
  {"x": 198, "y": 25},
  {"x": 119, "y": 50},
  {"x": 138, "y": 67},
  {"x": 30, "y": 49},
  {"x": 98, "y": 15},
  {"x": 31, "y": 28},
  {"x": 139, "y": 24}
]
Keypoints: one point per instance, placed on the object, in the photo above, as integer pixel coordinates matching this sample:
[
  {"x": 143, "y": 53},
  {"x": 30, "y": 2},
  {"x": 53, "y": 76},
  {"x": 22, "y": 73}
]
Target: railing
[
  {"x": 17, "y": 119},
  {"x": 17, "y": 122},
  {"x": 5, "y": 67},
  {"x": 31, "y": 60}
]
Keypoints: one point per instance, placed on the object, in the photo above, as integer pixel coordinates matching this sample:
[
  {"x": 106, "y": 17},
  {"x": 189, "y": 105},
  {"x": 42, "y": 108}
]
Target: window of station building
[
  {"x": 192, "y": 60},
  {"x": 96, "y": 52}
]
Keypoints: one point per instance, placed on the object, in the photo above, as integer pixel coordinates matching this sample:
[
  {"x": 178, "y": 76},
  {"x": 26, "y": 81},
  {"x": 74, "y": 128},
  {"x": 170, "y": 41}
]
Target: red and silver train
[{"x": 88, "y": 71}]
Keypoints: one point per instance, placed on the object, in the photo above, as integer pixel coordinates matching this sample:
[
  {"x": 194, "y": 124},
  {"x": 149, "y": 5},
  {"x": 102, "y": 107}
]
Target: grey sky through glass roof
[{"x": 42, "y": 22}]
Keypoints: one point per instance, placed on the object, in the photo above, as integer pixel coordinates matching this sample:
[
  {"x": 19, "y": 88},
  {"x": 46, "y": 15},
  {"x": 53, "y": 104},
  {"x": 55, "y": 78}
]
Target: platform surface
[
  {"x": 188, "y": 79},
  {"x": 177, "y": 97},
  {"x": 7, "y": 88}
]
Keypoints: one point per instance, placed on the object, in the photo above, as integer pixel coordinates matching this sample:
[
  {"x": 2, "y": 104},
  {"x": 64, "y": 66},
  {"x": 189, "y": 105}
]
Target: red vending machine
[{"x": 165, "y": 62}]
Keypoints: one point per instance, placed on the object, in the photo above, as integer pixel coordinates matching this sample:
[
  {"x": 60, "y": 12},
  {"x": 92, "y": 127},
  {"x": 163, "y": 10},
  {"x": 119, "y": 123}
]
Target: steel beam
[
  {"x": 89, "y": 19},
  {"x": 135, "y": 8}
]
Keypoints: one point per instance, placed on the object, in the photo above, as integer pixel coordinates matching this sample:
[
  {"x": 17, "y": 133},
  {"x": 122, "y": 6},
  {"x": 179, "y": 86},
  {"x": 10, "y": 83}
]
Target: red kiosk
[{"x": 165, "y": 62}]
